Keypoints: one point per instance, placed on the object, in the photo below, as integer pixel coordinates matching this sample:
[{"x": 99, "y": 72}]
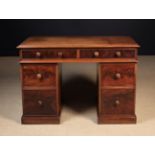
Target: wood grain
[
  {"x": 117, "y": 119},
  {"x": 78, "y": 60},
  {"x": 78, "y": 41},
  {"x": 109, "y": 74},
  {"x": 124, "y": 96},
  {"x": 42, "y": 119},
  {"x": 32, "y": 101},
  {"x": 47, "y": 71},
  {"x": 48, "y": 53},
  {"x": 108, "y": 53},
  {"x": 44, "y": 55}
]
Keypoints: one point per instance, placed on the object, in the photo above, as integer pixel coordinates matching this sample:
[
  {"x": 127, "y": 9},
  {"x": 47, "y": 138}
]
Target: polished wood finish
[
  {"x": 83, "y": 60},
  {"x": 48, "y": 53},
  {"x": 78, "y": 42},
  {"x": 40, "y": 59},
  {"x": 117, "y": 119},
  {"x": 118, "y": 74},
  {"x": 107, "y": 53},
  {"x": 117, "y": 101},
  {"x": 43, "y": 119},
  {"x": 39, "y": 75},
  {"x": 41, "y": 91},
  {"x": 40, "y": 102}
]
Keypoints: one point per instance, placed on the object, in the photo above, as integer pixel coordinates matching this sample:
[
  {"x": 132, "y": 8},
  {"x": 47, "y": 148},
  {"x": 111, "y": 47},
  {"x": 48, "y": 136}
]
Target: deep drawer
[
  {"x": 117, "y": 101},
  {"x": 39, "y": 102}
]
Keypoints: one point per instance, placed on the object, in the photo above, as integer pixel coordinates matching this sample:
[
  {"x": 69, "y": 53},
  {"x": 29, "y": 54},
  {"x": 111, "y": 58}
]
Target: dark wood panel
[
  {"x": 39, "y": 75},
  {"x": 108, "y": 53},
  {"x": 44, "y": 119},
  {"x": 40, "y": 102},
  {"x": 48, "y": 53},
  {"x": 117, "y": 119},
  {"x": 117, "y": 101},
  {"x": 118, "y": 74}
]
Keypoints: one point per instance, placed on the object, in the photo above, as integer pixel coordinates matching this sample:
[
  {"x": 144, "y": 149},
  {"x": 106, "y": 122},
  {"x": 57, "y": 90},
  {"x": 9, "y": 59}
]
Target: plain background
[{"x": 13, "y": 32}]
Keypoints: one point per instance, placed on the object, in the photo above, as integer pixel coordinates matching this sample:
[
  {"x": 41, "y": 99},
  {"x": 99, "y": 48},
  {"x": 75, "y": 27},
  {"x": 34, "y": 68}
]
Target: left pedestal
[{"x": 40, "y": 93}]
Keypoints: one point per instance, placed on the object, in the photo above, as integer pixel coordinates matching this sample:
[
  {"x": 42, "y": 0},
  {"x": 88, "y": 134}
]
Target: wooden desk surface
[{"x": 78, "y": 42}]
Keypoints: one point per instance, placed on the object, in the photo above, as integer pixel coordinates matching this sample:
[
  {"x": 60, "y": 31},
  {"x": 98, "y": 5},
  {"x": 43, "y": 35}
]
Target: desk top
[{"x": 78, "y": 42}]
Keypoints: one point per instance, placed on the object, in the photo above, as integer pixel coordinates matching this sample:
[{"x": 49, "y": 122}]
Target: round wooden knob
[
  {"x": 60, "y": 54},
  {"x": 117, "y": 75},
  {"x": 96, "y": 53},
  {"x": 118, "y": 54},
  {"x": 38, "y": 54},
  {"x": 40, "y": 102},
  {"x": 39, "y": 75},
  {"x": 117, "y": 102}
]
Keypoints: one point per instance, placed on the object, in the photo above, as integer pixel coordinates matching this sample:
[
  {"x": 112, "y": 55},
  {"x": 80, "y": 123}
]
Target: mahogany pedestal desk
[{"x": 40, "y": 74}]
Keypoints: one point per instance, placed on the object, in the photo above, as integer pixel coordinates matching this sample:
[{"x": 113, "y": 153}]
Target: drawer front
[
  {"x": 117, "y": 101},
  {"x": 107, "y": 53},
  {"x": 39, "y": 75},
  {"x": 39, "y": 102},
  {"x": 48, "y": 53},
  {"x": 118, "y": 74}
]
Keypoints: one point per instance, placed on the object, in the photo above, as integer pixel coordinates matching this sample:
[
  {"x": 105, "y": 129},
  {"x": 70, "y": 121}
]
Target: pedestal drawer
[
  {"x": 117, "y": 101},
  {"x": 40, "y": 102},
  {"x": 118, "y": 74},
  {"x": 39, "y": 75}
]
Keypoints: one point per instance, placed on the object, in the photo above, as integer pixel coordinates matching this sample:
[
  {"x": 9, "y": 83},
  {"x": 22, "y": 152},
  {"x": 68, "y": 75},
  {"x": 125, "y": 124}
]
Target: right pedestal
[{"x": 117, "y": 83}]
